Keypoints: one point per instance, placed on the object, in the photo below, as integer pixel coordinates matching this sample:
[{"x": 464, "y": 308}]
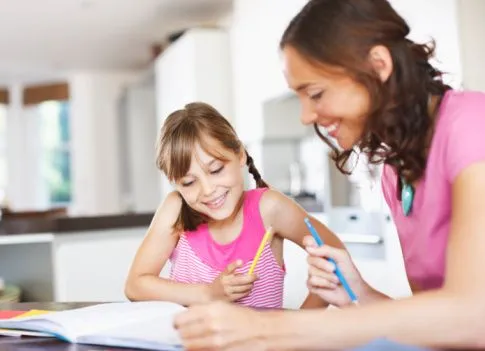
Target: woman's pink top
[{"x": 458, "y": 142}]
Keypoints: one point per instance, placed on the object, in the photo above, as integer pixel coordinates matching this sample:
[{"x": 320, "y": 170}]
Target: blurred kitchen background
[{"x": 84, "y": 88}]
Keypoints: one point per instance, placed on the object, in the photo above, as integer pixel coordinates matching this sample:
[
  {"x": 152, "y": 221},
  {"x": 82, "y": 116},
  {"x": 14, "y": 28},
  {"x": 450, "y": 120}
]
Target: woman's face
[{"x": 329, "y": 99}]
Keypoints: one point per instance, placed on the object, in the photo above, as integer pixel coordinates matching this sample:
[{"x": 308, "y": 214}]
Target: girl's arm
[
  {"x": 451, "y": 317},
  {"x": 143, "y": 281},
  {"x": 287, "y": 219}
]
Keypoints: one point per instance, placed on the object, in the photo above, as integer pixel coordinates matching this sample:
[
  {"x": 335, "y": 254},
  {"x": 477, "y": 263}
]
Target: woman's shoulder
[
  {"x": 458, "y": 140},
  {"x": 465, "y": 95},
  {"x": 460, "y": 112},
  {"x": 462, "y": 104}
]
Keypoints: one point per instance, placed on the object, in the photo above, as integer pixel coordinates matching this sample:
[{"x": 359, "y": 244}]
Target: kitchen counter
[
  {"x": 88, "y": 258},
  {"x": 35, "y": 224}
]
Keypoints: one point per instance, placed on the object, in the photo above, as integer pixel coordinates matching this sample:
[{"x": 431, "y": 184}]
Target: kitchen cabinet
[{"x": 74, "y": 266}]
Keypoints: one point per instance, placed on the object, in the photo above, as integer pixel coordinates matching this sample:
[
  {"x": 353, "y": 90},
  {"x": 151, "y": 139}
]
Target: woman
[{"x": 360, "y": 78}]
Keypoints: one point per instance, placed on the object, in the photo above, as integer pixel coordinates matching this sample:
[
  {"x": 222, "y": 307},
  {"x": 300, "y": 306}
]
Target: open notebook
[
  {"x": 21, "y": 314},
  {"x": 144, "y": 325}
]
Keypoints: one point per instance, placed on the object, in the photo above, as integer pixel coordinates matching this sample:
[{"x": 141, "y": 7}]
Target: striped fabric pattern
[{"x": 267, "y": 291}]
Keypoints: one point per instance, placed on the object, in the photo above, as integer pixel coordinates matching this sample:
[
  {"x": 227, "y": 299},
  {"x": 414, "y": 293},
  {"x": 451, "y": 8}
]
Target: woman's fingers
[
  {"x": 219, "y": 326},
  {"x": 196, "y": 314},
  {"x": 330, "y": 276},
  {"x": 319, "y": 282},
  {"x": 308, "y": 241},
  {"x": 338, "y": 255},
  {"x": 321, "y": 264}
]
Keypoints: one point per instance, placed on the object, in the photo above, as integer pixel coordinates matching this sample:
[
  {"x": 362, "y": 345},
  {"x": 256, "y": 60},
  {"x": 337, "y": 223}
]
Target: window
[{"x": 55, "y": 150}]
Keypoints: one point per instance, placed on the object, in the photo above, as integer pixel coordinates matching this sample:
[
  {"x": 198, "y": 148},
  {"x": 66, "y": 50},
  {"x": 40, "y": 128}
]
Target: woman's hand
[
  {"x": 230, "y": 285},
  {"x": 220, "y": 326},
  {"x": 322, "y": 279}
]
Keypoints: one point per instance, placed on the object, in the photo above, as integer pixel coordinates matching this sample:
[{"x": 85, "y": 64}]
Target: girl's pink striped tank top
[{"x": 197, "y": 258}]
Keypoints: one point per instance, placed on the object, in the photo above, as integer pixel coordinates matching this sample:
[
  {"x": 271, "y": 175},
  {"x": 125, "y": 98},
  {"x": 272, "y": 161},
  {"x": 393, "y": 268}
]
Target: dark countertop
[
  {"x": 66, "y": 224},
  {"x": 57, "y": 221}
]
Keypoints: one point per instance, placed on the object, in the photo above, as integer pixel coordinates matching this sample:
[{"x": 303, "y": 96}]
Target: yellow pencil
[{"x": 266, "y": 238}]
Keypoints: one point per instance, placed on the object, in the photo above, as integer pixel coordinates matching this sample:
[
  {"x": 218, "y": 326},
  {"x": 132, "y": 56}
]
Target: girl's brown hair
[
  {"x": 197, "y": 123},
  {"x": 341, "y": 33}
]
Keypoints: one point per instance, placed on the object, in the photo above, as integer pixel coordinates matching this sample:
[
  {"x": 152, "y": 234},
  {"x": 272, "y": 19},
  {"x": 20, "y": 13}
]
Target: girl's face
[
  {"x": 329, "y": 99},
  {"x": 214, "y": 186}
]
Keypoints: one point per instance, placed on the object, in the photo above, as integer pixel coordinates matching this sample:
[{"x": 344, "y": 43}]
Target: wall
[
  {"x": 255, "y": 32},
  {"x": 472, "y": 31},
  {"x": 94, "y": 128},
  {"x": 438, "y": 20},
  {"x": 94, "y": 98},
  {"x": 138, "y": 134},
  {"x": 196, "y": 67},
  {"x": 17, "y": 196},
  {"x": 25, "y": 188}
]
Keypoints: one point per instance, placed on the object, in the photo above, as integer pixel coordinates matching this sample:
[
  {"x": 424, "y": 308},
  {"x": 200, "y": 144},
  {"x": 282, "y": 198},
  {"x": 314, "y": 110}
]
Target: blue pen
[{"x": 338, "y": 273}]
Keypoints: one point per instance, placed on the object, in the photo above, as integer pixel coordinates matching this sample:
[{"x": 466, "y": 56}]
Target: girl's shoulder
[
  {"x": 271, "y": 202},
  {"x": 169, "y": 210},
  {"x": 173, "y": 203}
]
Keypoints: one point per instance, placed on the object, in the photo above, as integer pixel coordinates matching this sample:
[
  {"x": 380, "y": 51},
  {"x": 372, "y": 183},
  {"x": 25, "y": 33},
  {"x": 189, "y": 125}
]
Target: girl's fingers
[
  {"x": 241, "y": 279},
  {"x": 235, "y": 297},
  {"x": 239, "y": 289}
]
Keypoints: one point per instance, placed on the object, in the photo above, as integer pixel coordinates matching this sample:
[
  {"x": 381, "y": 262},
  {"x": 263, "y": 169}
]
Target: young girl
[
  {"x": 210, "y": 228},
  {"x": 359, "y": 77}
]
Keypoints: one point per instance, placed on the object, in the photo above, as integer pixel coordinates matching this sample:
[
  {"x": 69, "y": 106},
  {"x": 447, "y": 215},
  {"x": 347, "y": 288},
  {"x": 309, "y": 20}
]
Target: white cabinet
[
  {"x": 83, "y": 266},
  {"x": 93, "y": 266}
]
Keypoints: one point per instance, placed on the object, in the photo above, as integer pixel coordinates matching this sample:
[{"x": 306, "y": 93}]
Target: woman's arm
[
  {"x": 287, "y": 219},
  {"x": 143, "y": 282},
  {"x": 452, "y": 317}
]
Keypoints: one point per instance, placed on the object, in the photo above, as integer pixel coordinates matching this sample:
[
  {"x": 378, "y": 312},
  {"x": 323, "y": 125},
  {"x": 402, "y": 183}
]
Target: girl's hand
[
  {"x": 230, "y": 285},
  {"x": 220, "y": 326},
  {"x": 322, "y": 279}
]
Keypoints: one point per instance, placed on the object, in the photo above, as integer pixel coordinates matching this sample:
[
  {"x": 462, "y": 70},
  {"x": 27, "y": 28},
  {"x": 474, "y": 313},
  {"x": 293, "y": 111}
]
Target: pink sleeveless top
[{"x": 198, "y": 258}]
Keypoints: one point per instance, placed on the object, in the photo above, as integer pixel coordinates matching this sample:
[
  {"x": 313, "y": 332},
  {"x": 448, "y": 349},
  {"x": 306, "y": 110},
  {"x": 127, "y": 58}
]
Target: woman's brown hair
[
  {"x": 197, "y": 123},
  {"x": 341, "y": 33}
]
